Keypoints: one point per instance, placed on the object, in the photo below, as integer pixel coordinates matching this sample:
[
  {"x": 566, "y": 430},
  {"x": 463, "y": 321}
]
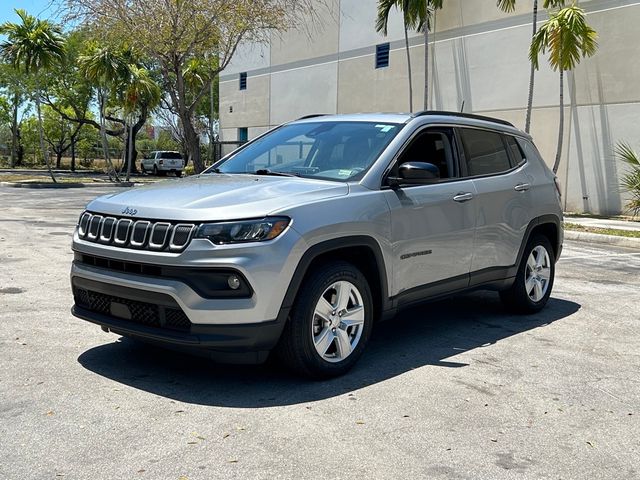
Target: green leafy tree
[
  {"x": 106, "y": 68},
  {"x": 33, "y": 46},
  {"x": 59, "y": 133},
  {"x": 14, "y": 89},
  {"x": 172, "y": 33},
  {"x": 568, "y": 38},
  {"x": 68, "y": 92},
  {"x": 509, "y": 6}
]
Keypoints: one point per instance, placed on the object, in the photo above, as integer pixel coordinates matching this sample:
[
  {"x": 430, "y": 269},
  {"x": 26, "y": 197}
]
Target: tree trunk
[
  {"x": 14, "y": 131},
  {"x": 556, "y": 164},
  {"x": 73, "y": 153},
  {"x": 426, "y": 55},
  {"x": 130, "y": 141},
  {"x": 192, "y": 144},
  {"x": 105, "y": 144},
  {"x": 45, "y": 152},
  {"x": 532, "y": 75},
  {"x": 58, "y": 159},
  {"x": 406, "y": 44}
]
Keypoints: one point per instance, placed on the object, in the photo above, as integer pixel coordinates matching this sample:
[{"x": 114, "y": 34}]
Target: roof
[{"x": 428, "y": 115}]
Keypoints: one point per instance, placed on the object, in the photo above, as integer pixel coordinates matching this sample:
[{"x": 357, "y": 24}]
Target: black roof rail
[
  {"x": 463, "y": 115},
  {"x": 313, "y": 115}
]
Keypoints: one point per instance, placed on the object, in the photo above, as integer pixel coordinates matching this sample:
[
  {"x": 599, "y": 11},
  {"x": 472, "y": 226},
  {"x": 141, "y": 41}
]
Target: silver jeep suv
[{"x": 301, "y": 240}]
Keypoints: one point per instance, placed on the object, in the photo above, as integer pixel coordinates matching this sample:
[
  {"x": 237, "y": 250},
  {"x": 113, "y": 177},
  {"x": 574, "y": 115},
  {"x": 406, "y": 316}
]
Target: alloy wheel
[
  {"x": 538, "y": 273},
  {"x": 338, "y": 321}
]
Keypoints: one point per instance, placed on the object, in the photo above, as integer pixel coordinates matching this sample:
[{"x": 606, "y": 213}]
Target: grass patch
[
  {"x": 42, "y": 179},
  {"x": 602, "y": 231}
]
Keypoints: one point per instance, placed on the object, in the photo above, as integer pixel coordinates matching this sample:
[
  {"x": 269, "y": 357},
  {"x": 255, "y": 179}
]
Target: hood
[{"x": 214, "y": 197}]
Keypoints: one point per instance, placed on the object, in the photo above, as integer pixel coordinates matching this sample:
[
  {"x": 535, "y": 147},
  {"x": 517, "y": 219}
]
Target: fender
[
  {"x": 536, "y": 222},
  {"x": 330, "y": 246}
]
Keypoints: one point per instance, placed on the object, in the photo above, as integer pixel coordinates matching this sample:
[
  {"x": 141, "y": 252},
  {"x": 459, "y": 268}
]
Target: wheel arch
[
  {"x": 362, "y": 251},
  {"x": 548, "y": 225}
]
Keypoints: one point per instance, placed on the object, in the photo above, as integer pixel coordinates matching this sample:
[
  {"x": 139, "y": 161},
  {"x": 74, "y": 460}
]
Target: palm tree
[
  {"x": 32, "y": 46},
  {"x": 416, "y": 15},
  {"x": 568, "y": 38},
  {"x": 138, "y": 92},
  {"x": 509, "y": 6},
  {"x": 106, "y": 68},
  {"x": 631, "y": 179},
  {"x": 384, "y": 9}
]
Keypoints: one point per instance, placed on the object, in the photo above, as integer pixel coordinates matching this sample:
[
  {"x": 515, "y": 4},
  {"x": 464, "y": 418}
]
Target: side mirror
[{"x": 415, "y": 173}]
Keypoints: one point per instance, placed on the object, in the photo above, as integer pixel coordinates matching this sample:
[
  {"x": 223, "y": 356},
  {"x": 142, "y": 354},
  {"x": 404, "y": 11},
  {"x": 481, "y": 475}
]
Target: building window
[
  {"x": 243, "y": 81},
  {"x": 243, "y": 134},
  {"x": 382, "y": 55}
]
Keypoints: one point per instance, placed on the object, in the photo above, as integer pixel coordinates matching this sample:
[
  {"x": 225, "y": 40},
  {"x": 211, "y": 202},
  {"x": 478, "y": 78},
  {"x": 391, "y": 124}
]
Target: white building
[{"x": 479, "y": 58}]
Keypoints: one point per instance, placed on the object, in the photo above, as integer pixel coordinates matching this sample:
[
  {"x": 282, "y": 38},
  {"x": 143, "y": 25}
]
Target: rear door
[
  {"x": 432, "y": 226},
  {"x": 495, "y": 164}
]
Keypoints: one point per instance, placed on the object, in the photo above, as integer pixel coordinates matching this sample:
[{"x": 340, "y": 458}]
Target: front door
[{"x": 432, "y": 226}]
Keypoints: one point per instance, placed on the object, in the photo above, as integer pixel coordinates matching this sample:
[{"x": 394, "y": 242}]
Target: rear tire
[
  {"x": 330, "y": 323},
  {"x": 155, "y": 170},
  {"x": 534, "y": 280}
]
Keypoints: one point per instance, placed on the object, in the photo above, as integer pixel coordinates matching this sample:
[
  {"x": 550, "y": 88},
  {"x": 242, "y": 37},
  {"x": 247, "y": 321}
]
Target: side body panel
[{"x": 431, "y": 234}]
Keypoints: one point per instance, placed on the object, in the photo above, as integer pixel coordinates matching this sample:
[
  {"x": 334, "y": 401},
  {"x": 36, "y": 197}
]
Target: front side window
[
  {"x": 435, "y": 146},
  {"x": 341, "y": 151},
  {"x": 485, "y": 152}
]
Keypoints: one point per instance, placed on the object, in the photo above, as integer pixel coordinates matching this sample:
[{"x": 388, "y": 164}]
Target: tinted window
[
  {"x": 333, "y": 150},
  {"x": 516, "y": 151},
  {"x": 174, "y": 155},
  {"x": 433, "y": 146},
  {"x": 485, "y": 152}
]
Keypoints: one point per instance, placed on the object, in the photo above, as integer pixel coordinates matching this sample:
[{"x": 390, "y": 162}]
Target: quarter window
[
  {"x": 516, "y": 152},
  {"x": 485, "y": 152}
]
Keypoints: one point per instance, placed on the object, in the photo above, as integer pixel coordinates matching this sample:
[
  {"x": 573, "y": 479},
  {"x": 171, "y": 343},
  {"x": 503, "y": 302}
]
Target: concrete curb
[
  {"x": 602, "y": 239},
  {"x": 66, "y": 185}
]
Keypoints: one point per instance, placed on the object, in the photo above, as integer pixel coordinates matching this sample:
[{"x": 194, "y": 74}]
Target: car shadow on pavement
[{"x": 431, "y": 334}]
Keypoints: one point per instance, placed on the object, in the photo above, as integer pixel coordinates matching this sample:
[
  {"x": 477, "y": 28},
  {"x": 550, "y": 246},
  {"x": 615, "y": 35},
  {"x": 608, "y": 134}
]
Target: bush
[{"x": 631, "y": 179}]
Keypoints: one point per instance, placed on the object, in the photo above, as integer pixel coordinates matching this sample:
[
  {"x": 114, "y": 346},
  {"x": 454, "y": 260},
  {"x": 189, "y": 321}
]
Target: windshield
[{"x": 340, "y": 151}]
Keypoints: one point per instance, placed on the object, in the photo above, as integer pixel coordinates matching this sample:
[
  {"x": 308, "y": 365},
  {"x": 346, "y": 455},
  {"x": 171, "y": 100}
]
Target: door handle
[
  {"x": 522, "y": 187},
  {"x": 463, "y": 197}
]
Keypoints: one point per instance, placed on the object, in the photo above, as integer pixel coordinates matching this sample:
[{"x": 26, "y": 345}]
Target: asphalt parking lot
[{"x": 457, "y": 389}]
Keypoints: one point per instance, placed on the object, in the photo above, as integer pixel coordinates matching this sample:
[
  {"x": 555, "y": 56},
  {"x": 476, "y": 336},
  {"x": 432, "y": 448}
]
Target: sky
[{"x": 39, "y": 8}]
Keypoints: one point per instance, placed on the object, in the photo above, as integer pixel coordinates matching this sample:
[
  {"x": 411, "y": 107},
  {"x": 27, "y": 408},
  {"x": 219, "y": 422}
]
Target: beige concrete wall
[
  {"x": 303, "y": 91},
  {"x": 315, "y": 37},
  {"x": 479, "y": 57},
  {"x": 250, "y": 107}
]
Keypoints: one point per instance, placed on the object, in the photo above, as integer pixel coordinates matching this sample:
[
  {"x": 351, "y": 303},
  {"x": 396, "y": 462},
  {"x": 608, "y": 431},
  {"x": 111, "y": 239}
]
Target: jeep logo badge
[{"x": 129, "y": 211}]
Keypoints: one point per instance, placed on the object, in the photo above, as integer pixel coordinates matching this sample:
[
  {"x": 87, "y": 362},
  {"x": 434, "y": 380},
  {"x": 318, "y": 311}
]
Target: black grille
[
  {"x": 143, "y": 313},
  {"x": 142, "y": 234}
]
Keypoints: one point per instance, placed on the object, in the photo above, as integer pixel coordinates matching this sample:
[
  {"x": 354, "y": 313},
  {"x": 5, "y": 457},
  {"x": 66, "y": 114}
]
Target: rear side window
[
  {"x": 485, "y": 152},
  {"x": 516, "y": 152}
]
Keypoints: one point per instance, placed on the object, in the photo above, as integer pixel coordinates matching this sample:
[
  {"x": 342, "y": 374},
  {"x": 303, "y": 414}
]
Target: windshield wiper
[{"x": 266, "y": 171}]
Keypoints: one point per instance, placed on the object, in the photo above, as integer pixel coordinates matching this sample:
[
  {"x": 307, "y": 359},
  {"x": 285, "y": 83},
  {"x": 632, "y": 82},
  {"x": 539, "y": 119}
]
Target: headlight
[{"x": 244, "y": 231}]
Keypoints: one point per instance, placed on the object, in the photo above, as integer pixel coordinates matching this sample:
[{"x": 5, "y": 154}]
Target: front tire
[
  {"x": 330, "y": 323},
  {"x": 534, "y": 281}
]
